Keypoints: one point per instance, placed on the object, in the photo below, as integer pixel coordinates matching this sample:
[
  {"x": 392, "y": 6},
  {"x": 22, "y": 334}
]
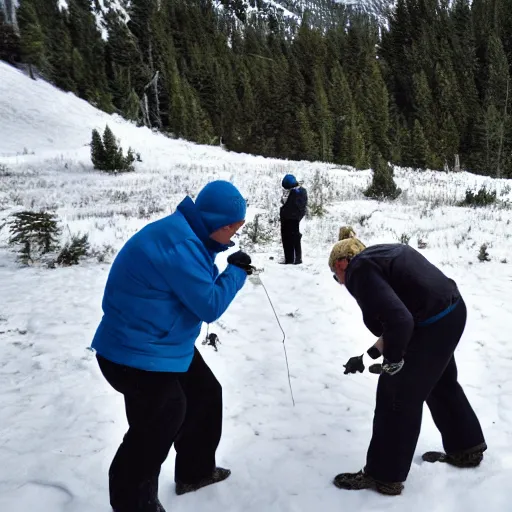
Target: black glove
[
  {"x": 375, "y": 368},
  {"x": 392, "y": 368},
  {"x": 354, "y": 365},
  {"x": 374, "y": 352},
  {"x": 241, "y": 260}
]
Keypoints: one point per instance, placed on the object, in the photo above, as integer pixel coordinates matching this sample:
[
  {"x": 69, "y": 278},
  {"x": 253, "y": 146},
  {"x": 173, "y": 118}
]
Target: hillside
[
  {"x": 427, "y": 89},
  {"x": 291, "y": 11},
  {"x": 60, "y": 423},
  {"x": 321, "y": 11}
]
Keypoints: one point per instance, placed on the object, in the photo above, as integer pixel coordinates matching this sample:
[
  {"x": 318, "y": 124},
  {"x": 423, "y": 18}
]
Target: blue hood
[{"x": 192, "y": 215}]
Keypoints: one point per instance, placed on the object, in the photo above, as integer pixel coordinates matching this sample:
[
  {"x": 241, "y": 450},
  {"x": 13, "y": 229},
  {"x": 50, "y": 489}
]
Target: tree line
[{"x": 431, "y": 84}]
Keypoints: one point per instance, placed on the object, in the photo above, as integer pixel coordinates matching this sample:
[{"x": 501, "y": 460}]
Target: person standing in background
[{"x": 294, "y": 204}]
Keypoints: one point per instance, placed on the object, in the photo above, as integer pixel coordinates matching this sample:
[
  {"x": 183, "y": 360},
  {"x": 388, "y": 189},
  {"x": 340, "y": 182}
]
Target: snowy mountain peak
[{"x": 319, "y": 12}]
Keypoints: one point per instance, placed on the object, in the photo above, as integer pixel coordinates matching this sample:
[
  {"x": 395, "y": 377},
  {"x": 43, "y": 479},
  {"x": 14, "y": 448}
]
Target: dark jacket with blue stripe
[{"x": 398, "y": 290}]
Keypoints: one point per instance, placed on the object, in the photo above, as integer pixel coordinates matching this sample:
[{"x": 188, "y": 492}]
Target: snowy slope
[{"x": 60, "y": 423}]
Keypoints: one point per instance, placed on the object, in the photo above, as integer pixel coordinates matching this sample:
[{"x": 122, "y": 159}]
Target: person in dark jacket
[
  {"x": 293, "y": 209},
  {"x": 162, "y": 286},
  {"x": 419, "y": 316}
]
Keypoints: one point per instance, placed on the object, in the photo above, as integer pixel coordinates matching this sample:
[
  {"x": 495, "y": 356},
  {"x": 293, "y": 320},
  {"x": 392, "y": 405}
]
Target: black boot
[
  {"x": 218, "y": 475},
  {"x": 359, "y": 481}
]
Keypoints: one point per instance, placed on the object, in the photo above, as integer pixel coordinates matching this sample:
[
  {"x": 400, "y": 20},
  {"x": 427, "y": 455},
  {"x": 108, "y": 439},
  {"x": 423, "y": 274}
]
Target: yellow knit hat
[{"x": 347, "y": 247}]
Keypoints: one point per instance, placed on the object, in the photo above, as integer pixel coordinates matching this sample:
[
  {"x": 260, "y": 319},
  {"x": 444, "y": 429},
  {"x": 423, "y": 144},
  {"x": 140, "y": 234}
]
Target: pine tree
[
  {"x": 419, "y": 151},
  {"x": 98, "y": 155},
  {"x": 32, "y": 37},
  {"x": 383, "y": 185},
  {"x": 323, "y": 122},
  {"x": 111, "y": 150},
  {"x": 107, "y": 155},
  {"x": 343, "y": 111},
  {"x": 423, "y": 105},
  {"x": 489, "y": 142},
  {"x": 131, "y": 106},
  {"x": 88, "y": 60},
  {"x": 247, "y": 110},
  {"x": 353, "y": 133},
  {"x": 34, "y": 233},
  {"x": 60, "y": 54},
  {"x": 448, "y": 140},
  {"x": 376, "y": 107},
  {"x": 308, "y": 143},
  {"x": 78, "y": 71},
  {"x": 10, "y": 50}
]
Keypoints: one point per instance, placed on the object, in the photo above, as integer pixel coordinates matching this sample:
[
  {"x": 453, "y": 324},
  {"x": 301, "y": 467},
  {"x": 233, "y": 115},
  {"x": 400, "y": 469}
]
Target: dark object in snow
[
  {"x": 218, "y": 475},
  {"x": 467, "y": 459},
  {"x": 354, "y": 365},
  {"x": 359, "y": 481},
  {"x": 212, "y": 339},
  {"x": 483, "y": 255}
]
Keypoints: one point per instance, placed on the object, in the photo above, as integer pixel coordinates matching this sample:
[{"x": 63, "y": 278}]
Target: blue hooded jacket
[{"x": 164, "y": 283}]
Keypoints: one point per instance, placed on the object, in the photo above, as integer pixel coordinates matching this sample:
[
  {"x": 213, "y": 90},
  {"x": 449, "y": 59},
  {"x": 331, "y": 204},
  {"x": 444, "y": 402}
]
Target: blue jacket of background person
[{"x": 164, "y": 283}]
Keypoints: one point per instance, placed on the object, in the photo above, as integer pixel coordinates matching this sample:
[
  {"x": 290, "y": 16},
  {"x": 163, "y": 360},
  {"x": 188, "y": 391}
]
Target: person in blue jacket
[
  {"x": 162, "y": 286},
  {"x": 294, "y": 204}
]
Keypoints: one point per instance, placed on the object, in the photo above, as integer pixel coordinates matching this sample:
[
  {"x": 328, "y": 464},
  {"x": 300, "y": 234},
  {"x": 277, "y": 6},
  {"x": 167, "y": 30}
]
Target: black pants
[
  {"x": 162, "y": 409},
  {"x": 290, "y": 236},
  {"x": 429, "y": 374}
]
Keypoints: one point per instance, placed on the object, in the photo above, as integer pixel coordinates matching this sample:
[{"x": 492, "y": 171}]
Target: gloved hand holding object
[
  {"x": 375, "y": 368},
  {"x": 354, "y": 365},
  {"x": 242, "y": 260},
  {"x": 392, "y": 368}
]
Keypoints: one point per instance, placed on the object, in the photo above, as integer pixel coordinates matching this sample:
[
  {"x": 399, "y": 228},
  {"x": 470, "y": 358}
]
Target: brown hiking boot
[
  {"x": 359, "y": 481},
  {"x": 218, "y": 475},
  {"x": 466, "y": 459}
]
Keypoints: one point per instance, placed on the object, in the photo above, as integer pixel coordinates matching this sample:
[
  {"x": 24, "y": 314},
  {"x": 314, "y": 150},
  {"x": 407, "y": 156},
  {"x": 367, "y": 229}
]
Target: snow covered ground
[{"x": 60, "y": 423}]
